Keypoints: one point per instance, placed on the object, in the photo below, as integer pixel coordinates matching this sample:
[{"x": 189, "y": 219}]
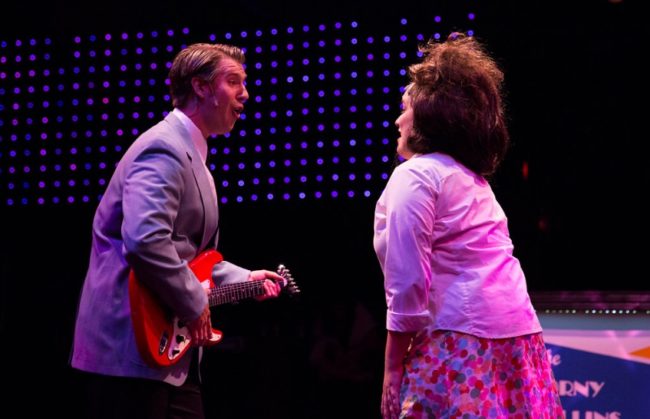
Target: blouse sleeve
[{"x": 409, "y": 219}]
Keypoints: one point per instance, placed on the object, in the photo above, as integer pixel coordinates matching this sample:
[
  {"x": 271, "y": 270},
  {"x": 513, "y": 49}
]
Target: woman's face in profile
[{"x": 404, "y": 124}]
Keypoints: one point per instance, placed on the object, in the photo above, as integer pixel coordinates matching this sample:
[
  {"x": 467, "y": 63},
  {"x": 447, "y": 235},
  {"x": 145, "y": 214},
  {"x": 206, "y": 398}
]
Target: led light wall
[{"x": 319, "y": 124}]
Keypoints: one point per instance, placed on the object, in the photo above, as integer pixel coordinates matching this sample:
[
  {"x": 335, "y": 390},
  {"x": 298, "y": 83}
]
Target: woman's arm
[{"x": 397, "y": 345}]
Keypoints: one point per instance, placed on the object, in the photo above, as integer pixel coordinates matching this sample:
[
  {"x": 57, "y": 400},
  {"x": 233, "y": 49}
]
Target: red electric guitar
[{"x": 161, "y": 338}]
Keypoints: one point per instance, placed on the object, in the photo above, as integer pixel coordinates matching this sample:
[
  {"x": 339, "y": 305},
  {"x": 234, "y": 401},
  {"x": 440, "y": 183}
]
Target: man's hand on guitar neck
[{"x": 271, "y": 286}]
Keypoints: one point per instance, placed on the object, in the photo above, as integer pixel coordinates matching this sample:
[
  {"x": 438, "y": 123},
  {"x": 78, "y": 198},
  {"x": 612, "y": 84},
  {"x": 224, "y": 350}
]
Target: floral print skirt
[{"x": 456, "y": 375}]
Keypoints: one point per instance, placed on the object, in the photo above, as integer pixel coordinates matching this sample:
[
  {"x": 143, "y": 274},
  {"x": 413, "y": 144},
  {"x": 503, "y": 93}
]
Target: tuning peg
[{"x": 291, "y": 286}]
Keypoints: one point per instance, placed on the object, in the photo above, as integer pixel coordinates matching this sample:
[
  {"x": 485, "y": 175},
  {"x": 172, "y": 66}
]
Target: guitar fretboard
[{"x": 234, "y": 292}]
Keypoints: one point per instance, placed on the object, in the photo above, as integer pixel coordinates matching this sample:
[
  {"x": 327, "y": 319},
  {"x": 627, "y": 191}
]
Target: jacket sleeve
[
  {"x": 153, "y": 189},
  {"x": 225, "y": 273}
]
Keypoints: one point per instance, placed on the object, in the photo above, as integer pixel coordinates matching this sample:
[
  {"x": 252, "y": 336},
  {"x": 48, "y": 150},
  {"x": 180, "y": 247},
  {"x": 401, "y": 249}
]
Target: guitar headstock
[{"x": 290, "y": 284}]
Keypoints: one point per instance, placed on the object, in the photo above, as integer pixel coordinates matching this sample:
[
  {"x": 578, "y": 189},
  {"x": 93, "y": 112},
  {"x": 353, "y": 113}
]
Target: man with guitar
[{"x": 159, "y": 212}]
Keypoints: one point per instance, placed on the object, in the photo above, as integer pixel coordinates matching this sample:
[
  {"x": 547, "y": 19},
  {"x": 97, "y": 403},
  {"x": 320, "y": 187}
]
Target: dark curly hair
[{"x": 456, "y": 96}]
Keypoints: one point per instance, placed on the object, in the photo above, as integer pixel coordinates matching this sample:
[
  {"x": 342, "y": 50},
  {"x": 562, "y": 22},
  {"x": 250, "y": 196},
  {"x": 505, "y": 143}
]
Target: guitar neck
[{"x": 235, "y": 292}]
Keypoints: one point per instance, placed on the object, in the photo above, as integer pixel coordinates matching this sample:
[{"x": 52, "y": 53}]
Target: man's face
[{"x": 228, "y": 96}]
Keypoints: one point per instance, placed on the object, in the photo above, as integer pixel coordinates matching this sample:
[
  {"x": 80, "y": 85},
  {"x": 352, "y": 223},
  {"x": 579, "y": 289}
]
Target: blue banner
[{"x": 601, "y": 374}]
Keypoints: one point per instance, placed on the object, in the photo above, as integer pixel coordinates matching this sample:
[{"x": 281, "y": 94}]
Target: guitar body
[{"x": 161, "y": 338}]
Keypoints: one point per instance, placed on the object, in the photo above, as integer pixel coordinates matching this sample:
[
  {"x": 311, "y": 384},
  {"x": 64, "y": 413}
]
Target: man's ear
[{"x": 200, "y": 88}]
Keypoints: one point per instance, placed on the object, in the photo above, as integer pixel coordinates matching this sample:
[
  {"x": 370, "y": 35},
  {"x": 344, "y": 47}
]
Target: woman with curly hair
[{"x": 463, "y": 337}]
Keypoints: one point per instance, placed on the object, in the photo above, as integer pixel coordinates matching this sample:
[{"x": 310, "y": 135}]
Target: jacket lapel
[{"x": 203, "y": 182}]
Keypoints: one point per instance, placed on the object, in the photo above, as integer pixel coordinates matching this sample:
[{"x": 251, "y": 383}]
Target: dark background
[{"x": 578, "y": 223}]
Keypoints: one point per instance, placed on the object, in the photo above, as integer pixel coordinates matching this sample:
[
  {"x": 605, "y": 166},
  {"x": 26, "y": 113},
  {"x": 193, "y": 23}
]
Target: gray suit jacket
[{"x": 157, "y": 214}]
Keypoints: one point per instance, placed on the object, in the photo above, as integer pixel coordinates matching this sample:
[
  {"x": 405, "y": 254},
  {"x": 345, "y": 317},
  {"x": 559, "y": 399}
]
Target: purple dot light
[{"x": 291, "y": 112}]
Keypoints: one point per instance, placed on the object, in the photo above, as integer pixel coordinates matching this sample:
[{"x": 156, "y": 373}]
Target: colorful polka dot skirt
[{"x": 455, "y": 375}]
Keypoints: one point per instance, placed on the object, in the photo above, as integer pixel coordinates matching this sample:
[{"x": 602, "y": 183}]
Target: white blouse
[{"x": 443, "y": 245}]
